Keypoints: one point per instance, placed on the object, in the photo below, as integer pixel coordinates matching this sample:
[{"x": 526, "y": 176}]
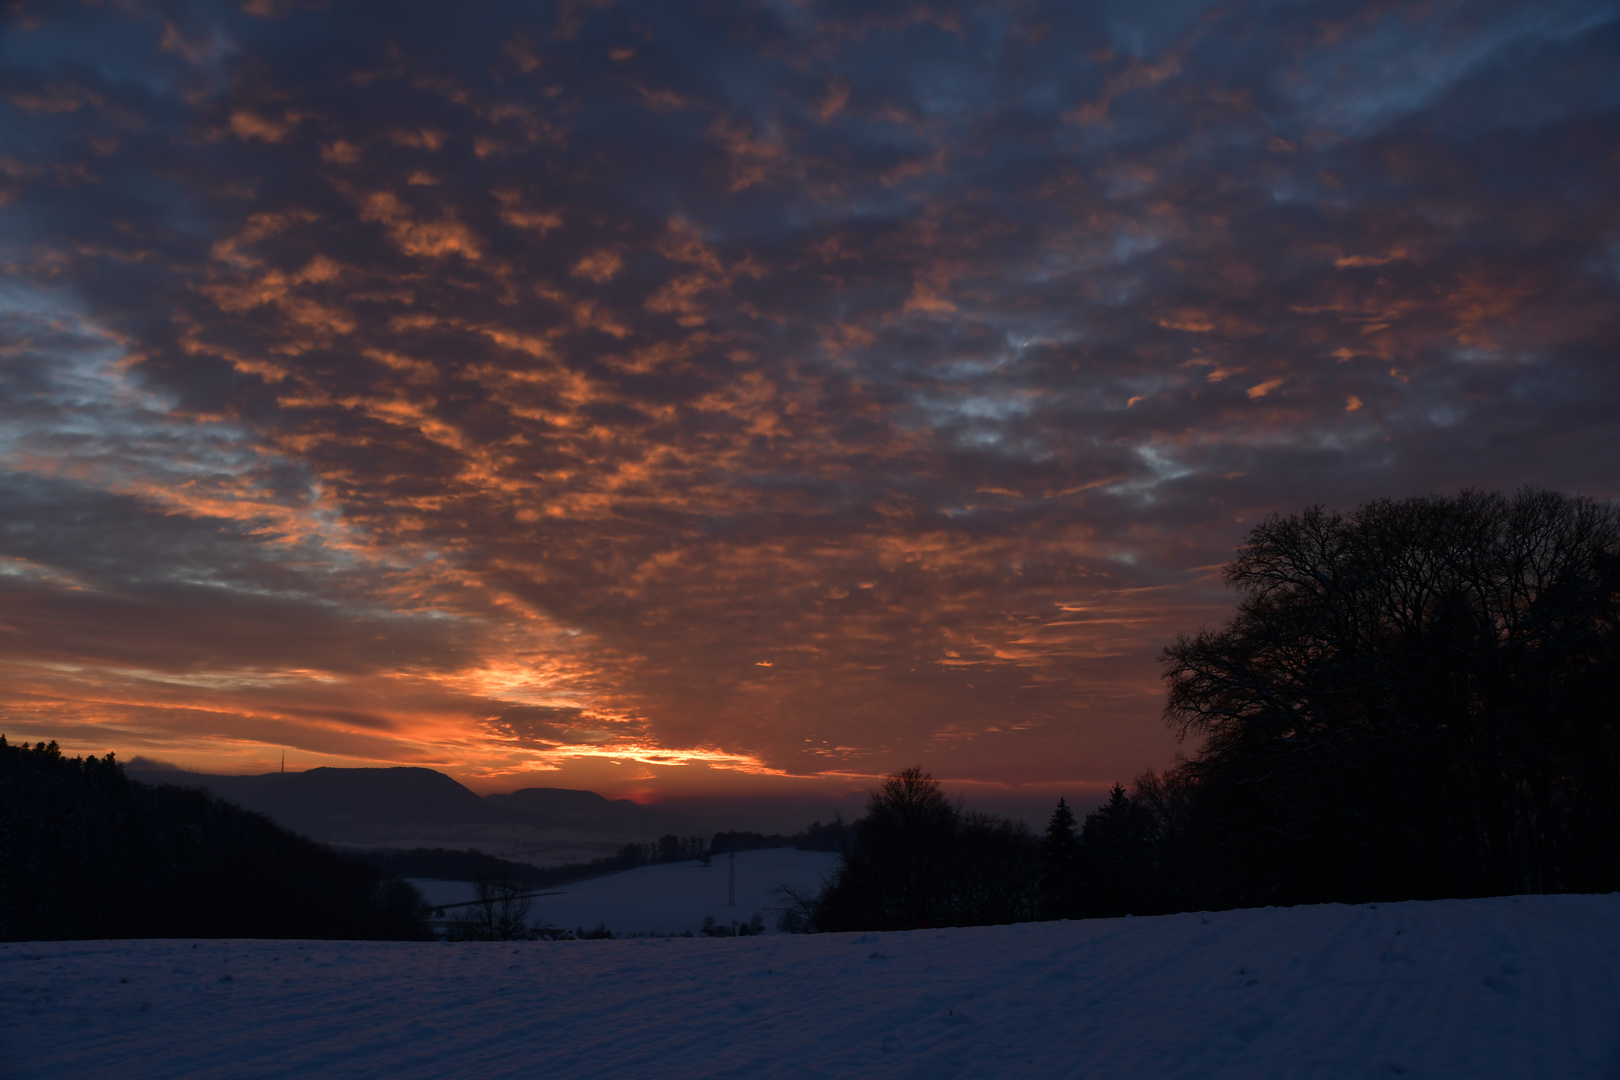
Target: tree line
[
  {"x": 85, "y": 852},
  {"x": 1413, "y": 701}
]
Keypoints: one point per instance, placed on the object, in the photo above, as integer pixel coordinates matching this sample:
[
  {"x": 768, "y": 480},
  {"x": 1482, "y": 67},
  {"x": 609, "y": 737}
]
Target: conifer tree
[
  {"x": 1114, "y": 848},
  {"x": 1060, "y": 865}
]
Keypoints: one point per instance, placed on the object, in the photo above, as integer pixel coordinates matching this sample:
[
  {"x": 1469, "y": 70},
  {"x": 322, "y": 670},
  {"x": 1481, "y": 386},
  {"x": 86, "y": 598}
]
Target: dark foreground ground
[{"x": 1510, "y": 987}]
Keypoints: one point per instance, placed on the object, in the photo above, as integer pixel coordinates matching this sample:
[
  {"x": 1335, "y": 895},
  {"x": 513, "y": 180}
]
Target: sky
[{"x": 682, "y": 400}]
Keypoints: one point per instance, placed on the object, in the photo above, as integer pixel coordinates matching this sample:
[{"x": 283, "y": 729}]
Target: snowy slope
[
  {"x": 1526, "y": 987},
  {"x": 670, "y": 898}
]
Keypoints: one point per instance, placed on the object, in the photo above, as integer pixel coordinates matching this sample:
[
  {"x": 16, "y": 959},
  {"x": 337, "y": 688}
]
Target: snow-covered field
[
  {"x": 670, "y": 898},
  {"x": 1526, "y": 987}
]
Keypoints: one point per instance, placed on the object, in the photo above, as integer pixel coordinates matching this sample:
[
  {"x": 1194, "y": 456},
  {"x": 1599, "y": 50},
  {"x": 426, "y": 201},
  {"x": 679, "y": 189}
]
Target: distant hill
[
  {"x": 405, "y": 807},
  {"x": 568, "y": 809},
  {"x": 326, "y": 800}
]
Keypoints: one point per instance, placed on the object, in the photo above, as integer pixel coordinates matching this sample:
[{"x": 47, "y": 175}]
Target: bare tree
[
  {"x": 1413, "y": 699},
  {"x": 500, "y": 912}
]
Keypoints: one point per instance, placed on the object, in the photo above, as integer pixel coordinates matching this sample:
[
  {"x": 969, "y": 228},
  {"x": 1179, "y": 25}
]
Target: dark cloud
[{"x": 811, "y": 388}]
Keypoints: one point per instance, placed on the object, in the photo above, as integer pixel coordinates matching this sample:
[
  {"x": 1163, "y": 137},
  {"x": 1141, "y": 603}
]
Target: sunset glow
[{"x": 675, "y": 399}]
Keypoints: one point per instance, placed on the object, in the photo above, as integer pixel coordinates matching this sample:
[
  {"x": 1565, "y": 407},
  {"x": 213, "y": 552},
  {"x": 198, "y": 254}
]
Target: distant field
[
  {"x": 1526, "y": 987},
  {"x": 670, "y": 898}
]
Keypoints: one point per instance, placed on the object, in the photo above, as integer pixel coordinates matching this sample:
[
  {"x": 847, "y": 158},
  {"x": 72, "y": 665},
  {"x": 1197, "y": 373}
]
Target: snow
[
  {"x": 1508, "y": 987},
  {"x": 670, "y": 898}
]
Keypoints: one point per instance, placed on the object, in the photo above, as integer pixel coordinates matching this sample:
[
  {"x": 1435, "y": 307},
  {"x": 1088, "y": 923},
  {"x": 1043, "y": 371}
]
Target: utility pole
[
  {"x": 283, "y": 760},
  {"x": 731, "y": 883}
]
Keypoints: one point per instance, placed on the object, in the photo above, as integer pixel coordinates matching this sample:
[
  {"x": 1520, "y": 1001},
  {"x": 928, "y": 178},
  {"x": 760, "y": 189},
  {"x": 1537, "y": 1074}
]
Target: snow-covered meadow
[
  {"x": 670, "y": 898},
  {"x": 1509, "y": 987}
]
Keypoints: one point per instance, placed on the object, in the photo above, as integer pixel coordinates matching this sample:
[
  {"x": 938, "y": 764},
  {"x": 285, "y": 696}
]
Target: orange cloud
[
  {"x": 434, "y": 239},
  {"x": 246, "y": 124}
]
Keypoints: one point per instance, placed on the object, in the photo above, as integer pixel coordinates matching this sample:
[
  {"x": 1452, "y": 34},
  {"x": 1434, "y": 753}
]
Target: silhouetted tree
[
  {"x": 995, "y": 872},
  {"x": 919, "y": 860},
  {"x": 1116, "y": 857},
  {"x": 897, "y": 877},
  {"x": 1060, "y": 865},
  {"x": 1415, "y": 700},
  {"x": 500, "y": 912},
  {"x": 1170, "y": 868},
  {"x": 836, "y": 835}
]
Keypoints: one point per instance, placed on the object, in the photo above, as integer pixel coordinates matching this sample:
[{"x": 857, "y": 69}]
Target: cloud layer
[{"x": 783, "y": 389}]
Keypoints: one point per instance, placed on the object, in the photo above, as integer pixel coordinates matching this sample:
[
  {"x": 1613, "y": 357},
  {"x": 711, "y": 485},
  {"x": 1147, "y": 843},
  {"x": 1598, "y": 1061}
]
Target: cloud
[{"x": 810, "y": 390}]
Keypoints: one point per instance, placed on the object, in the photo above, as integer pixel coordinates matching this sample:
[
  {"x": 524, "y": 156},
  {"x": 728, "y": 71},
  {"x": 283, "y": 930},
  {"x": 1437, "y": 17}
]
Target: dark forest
[{"x": 86, "y": 852}]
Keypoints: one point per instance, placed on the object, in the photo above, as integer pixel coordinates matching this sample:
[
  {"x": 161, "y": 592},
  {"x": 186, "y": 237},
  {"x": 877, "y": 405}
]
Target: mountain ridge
[{"x": 412, "y": 806}]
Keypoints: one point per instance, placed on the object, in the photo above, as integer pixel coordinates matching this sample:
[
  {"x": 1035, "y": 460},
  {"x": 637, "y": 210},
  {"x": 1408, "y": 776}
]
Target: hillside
[
  {"x": 563, "y": 808},
  {"x": 670, "y": 898},
  {"x": 329, "y": 800},
  {"x": 406, "y": 807},
  {"x": 1508, "y": 987},
  {"x": 86, "y": 852}
]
